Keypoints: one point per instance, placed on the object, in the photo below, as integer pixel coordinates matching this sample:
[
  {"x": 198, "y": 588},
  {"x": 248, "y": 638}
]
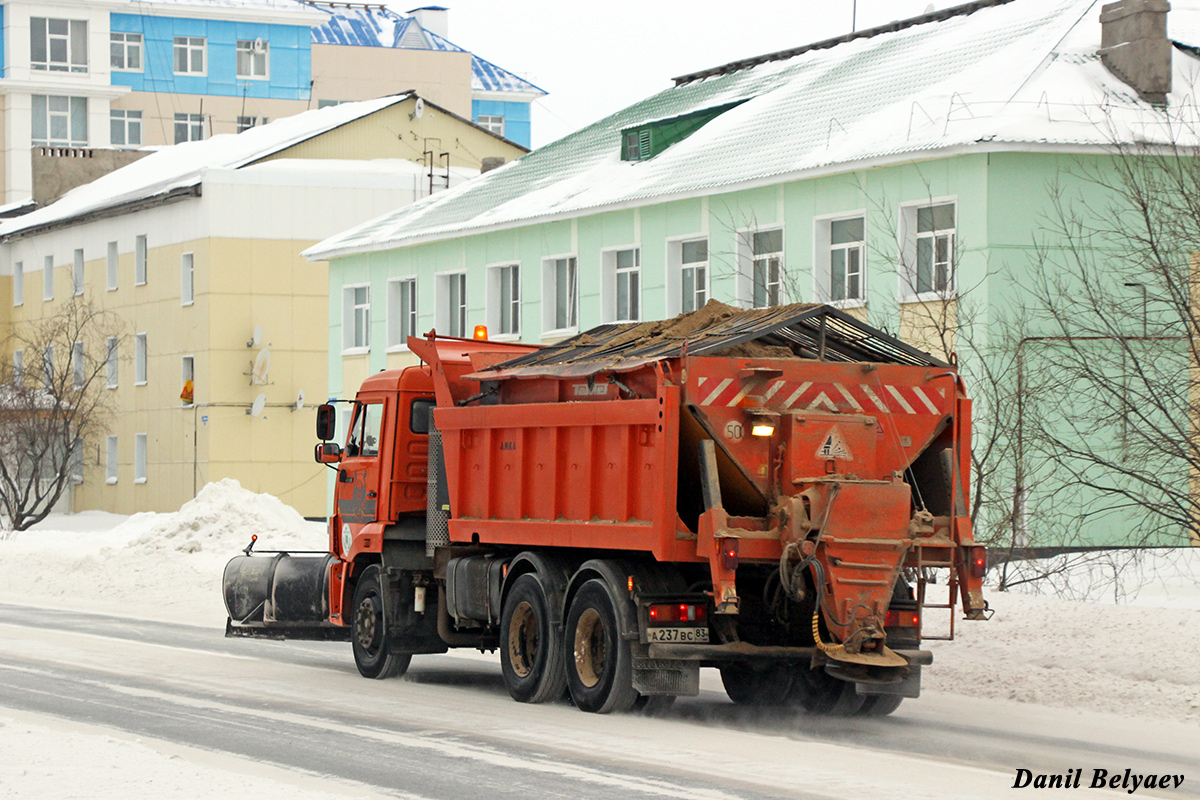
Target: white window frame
[
  {"x": 73, "y": 40},
  {"x": 908, "y": 237},
  {"x": 19, "y": 283},
  {"x": 451, "y": 320},
  {"x": 190, "y": 45},
  {"x": 112, "y": 362},
  {"x": 749, "y": 260},
  {"x": 401, "y": 320},
  {"x": 615, "y": 277},
  {"x": 78, "y": 365},
  {"x": 352, "y": 311},
  {"x": 255, "y": 56},
  {"x": 504, "y": 300},
  {"x": 550, "y": 287},
  {"x": 139, "y": 360},
  {"x": 140, "y": 460},
  {"x": 112, "y": 260},
  {"x": 493, "y": 123},
  {"x": 187, "y": 372},
  {"x": 74, "y": 118},
  {"x": 193, "y": 127},
  {"x": 823, "y": 249},
  {"x": 77, "y": 272},
  {"x": 675, "y": 273},
  {"x": 128, "y": 122},
  {"x": 48, "y": 279},
  {"x": 120, "y": 46},
  {"x": 139, "y": 260},
  {"x": 19, "y": 366},
  {"x": 111, "y": 454},
  {"x": 246, "y": 123},
  {"x": 187, "y": 279}
]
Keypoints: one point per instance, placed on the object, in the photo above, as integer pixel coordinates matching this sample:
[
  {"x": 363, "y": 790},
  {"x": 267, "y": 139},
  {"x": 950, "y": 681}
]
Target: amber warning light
[{"x": 481, "y": 332}]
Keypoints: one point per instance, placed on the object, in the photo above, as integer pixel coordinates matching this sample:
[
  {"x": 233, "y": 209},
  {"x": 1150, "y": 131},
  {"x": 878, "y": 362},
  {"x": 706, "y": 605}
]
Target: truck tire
[
  {"x": 368, "y": 635},
  {"x": 531, "y": 652},
  {"x": 818, "y": 693},
  {"x": 879, "y": 705},
  {"x": 749, "y": 685},
  {"x": 599, "y": 662}
]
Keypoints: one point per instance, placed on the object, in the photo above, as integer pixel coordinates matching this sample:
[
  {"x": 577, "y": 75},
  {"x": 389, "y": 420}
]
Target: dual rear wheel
[{"x": 776, "y": 685}]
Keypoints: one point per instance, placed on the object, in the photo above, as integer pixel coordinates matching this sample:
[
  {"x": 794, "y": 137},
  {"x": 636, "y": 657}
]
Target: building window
[
  {"x": 401, "y": 311},
  {"x": 187, "y": 279},
  {"x": 139, "y": 458},
  {"x": 928, "y": 256},
  {"x": 839, "y": 273},
  {"x": 139, "y": 261},
  {"x": 58, "y": 45},
  {"x": 330, "y": 103},
  {"x": 78, "y": 368},
  {"x": 139, "y": 359},
  {"x": 77, "y": 273},
  {"x": 110, "y": 460},
  {"x": 766, "y": 268},
  {"x": 491, "y": 122},
  {"x": 189, "y": 128},
  {"x": 187, "y": 369},
  {"x": 356, "y": 317},
  {"x": 77, "y": 461},
  {"x": 252, "y": 58},
  {"x": 125, "y": 127},
  {"x": 560, "y": 281},
  {"x": 59, "y": 121},
  {"x": 687, "y": 275},
  {"x": 622, "y": 275},
  {"x": 110, "y": 361},
  {"x": 125, "y": 51},
  {"x": 48, "y": 278},
  {"x": 48, "y": 368},
  {"x": 246, "y": 123},
  {"x": 19, "y": 283},
  {"x": 504, "y": 288},
  {"x": 451, "y": 313},
  {"x": 112, "y": 266},
  {"x": 189, "y": 55},
  {"x": 18, "y": 367}
]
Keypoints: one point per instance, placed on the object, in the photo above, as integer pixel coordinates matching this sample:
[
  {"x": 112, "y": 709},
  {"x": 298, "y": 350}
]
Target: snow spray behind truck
[{"x": 761, "y": 491}]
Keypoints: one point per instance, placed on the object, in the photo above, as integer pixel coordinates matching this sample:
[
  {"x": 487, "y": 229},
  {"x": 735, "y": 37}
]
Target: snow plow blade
[{"x": 280, "y": 596}]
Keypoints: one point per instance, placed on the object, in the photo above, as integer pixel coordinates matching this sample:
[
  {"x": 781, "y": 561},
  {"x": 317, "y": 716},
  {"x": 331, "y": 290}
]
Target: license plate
[{"x": 677, "y": 634}]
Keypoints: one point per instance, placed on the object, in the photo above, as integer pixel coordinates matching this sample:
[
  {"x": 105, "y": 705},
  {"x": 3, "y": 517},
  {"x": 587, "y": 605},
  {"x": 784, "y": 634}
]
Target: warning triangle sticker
[{"x": 834, "y": 446}]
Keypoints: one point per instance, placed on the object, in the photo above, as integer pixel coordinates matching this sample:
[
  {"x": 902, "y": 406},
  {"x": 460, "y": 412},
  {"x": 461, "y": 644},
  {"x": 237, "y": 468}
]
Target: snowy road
[{"x": 449, "y": 730}]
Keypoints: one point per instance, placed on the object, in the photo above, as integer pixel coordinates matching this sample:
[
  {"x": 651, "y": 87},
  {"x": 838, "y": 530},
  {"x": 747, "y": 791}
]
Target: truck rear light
[
  {"x": 729, "y": 554},
  {"x": 978, "y": 561},
  {"x": 481, "y": 332},
  {"x": 677, "y": 612},
  {"x": 902, "y": 619},
  {"x": 762, "y": 430}
]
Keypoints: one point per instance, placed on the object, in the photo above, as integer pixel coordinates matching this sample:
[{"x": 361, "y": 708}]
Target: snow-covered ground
[{"x": 1134, "y": 658}]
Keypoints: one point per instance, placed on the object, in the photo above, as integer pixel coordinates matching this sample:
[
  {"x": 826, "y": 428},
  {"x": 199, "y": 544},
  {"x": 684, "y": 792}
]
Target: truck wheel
[
  {"x": 818, "y": 693},
  {"x": 880, "y": 705},
  {"x": 599, "y": 662},
  {"x": 748, "y": 685},
  {"x": 369, "y": 635},
  {"x": 531, "y": 656}
]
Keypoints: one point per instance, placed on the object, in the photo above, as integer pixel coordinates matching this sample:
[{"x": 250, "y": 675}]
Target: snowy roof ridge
[
  {"x": 173, "y": 170},
  {"x": 1008, "y": 76}
]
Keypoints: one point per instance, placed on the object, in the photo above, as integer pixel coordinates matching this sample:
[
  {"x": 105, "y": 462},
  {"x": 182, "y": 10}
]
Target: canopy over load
[{"x": 801, "y": 330}]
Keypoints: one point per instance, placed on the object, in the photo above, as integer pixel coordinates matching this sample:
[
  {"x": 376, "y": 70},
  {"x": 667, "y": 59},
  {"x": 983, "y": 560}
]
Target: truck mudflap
[{"x": 280, "y": 596}]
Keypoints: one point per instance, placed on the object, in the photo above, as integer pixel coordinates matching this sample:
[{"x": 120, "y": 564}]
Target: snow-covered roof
[
  {"x": 1017, "y": 75},
  {"x": 380, "y": 26},
  {"x": 180, "y": 167}
]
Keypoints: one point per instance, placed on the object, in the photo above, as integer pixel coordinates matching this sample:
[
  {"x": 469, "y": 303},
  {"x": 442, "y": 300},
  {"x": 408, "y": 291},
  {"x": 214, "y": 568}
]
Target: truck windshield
[{"x": 364, "y": 434}]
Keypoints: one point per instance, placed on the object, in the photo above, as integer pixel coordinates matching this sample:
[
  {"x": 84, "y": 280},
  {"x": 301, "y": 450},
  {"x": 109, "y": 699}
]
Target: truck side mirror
[
  {"x": 328, "y": 453},
  {"x": 326, "y": 422}
]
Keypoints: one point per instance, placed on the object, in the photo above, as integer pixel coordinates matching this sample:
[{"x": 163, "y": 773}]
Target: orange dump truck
[{"x": 760, "y": 491}]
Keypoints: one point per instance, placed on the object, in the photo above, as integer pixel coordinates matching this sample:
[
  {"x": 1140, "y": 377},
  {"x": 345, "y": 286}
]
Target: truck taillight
[
  {"x": 902, "y": 619},
  {"x": 978, "y": 561},
  {"x": 677, "y": 612},
  {"x": 729, "y": 554}
]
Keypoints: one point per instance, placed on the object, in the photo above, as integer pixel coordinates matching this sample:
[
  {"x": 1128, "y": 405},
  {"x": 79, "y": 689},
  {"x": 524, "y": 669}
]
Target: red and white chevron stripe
[{"x": 810, "y": 396}]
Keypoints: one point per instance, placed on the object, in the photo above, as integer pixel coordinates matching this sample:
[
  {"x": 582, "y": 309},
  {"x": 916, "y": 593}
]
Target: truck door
[{"x": 358, "y": 489}]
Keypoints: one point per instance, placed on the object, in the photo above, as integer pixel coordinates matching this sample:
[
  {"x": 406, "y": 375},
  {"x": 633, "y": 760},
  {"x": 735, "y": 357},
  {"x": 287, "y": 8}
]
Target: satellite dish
[
  {"x": 261, "y": 369},
  {"x": 419, "y": 107},
  {"x": 260, "y": 402},
  {"x": 256, "y": 337},
  {"x": 300, "y": 400}
]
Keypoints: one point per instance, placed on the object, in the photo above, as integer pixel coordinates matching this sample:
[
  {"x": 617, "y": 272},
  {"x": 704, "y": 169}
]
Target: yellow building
[{"x": 197, "y": 249}]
